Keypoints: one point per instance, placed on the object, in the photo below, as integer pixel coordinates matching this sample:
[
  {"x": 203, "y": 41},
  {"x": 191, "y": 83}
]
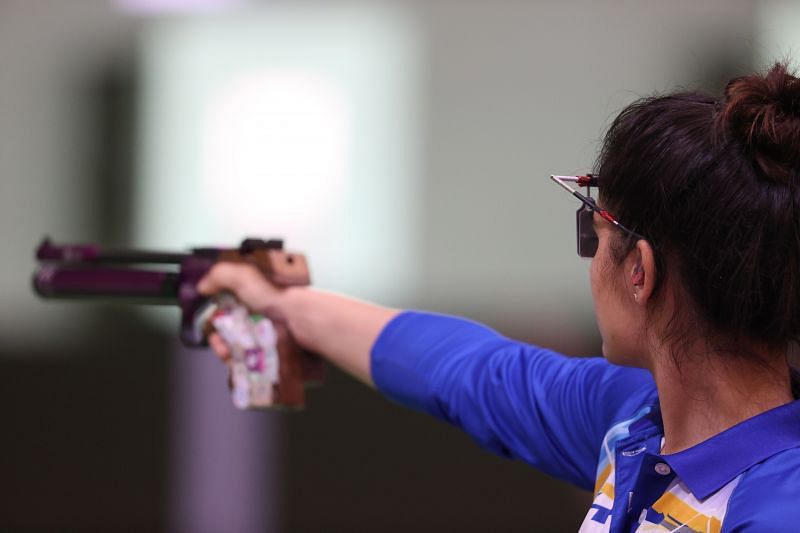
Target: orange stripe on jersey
[
  {"x": 608, "y": 490},
  {"x": 679, "y": 513},
  {"x": 601, "y": 479}
]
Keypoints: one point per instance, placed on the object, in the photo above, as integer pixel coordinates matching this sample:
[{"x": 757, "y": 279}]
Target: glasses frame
[{"x": 584, "y": 217}]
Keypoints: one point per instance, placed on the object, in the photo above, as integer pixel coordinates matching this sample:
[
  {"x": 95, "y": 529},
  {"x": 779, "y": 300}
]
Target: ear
[{"x": 641, "y": 269}]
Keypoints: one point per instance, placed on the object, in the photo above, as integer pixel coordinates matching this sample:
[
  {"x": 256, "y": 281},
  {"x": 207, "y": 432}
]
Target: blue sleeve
[
  {"x": 517, "y": 400},
  {"x": 767, "y": 498}
]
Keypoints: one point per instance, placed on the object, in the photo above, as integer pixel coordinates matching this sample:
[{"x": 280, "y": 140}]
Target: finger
[
  {"x": 244, "y": 281},
  {"x": 219, "y": 347},
  {"x": 225, "y": 276}
]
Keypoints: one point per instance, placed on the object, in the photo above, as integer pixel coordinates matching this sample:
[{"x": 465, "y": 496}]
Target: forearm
[{"x": 339, "y": 329}]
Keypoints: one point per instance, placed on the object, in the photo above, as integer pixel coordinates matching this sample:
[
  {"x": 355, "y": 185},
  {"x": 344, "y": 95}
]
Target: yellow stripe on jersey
[
  {"x": 678, "y": 513},
  {"x": 608, "y": 490},
  {"x": 601, "y": 480}
]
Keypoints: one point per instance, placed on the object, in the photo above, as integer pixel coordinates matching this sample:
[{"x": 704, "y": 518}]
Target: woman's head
[{"x": 714, "y": 187}]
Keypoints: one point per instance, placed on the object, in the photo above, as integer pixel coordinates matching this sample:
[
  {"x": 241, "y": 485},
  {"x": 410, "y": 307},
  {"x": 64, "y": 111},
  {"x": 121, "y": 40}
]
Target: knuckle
[
  {"x": 249, "y": 276},
  {"x": 227, "y": 274}
]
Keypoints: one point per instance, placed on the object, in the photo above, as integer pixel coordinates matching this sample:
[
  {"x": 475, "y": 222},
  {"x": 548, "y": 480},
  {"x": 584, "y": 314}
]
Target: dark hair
[{"x": 713, "y": 186}]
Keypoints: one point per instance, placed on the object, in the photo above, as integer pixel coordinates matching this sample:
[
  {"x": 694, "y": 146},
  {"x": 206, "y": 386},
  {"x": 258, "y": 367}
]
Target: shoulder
[{"x": 767, "y": 497}]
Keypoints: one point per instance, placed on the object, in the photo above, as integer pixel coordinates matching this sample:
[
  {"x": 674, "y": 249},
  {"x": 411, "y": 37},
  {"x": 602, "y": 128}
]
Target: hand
[
  {"x": 337, "y": 328},
  {"x": 249, "y": 286}
]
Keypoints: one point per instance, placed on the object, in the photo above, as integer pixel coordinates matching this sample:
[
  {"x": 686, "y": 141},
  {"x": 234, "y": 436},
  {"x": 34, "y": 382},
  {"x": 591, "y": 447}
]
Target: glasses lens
[{"x": 587, "y": 237}]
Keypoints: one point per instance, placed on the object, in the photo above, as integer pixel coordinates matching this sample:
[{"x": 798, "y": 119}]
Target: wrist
[{"x": 283, "y": 305}]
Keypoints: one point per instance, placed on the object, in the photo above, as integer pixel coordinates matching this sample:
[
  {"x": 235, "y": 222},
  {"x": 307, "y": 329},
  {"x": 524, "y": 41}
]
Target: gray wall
[
  {"x": 515, "y": 91},
  {"x": 522, "y": 90}
]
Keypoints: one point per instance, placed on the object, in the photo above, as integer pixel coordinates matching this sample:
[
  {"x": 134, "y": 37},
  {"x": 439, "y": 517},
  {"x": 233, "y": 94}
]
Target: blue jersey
[{"x": 595, "y": 425}]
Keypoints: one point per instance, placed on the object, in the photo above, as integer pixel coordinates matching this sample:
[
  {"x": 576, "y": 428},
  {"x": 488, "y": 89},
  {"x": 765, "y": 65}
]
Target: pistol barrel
[
  {"x": 145, "y": 286},
  {"x": 93, "y": 254}
]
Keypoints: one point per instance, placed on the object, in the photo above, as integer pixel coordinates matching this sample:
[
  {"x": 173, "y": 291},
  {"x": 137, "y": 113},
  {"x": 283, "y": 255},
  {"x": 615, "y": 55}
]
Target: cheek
[
  {"x": 609, "y": 310},
  {"x": 599, "y": 295},
  {"x": 614, "y": 322},
  {"x": 594, "y": 279},
  {"x": 599, "y": 281}
]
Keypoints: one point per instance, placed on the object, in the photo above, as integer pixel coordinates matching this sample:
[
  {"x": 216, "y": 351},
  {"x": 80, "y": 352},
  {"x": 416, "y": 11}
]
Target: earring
[{"x": 636, "y": 296}]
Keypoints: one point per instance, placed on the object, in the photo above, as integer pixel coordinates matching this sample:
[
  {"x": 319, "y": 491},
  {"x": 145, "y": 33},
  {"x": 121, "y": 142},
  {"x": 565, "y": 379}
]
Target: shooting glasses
[{"x": 587, "y": 236}]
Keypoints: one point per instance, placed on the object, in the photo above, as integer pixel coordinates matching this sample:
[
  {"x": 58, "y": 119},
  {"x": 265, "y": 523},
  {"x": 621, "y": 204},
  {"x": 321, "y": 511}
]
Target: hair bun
[{"x": 763, "y": 112}]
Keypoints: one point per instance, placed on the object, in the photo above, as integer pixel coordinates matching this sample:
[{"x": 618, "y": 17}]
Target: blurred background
[{"x": 404, "y": 146}]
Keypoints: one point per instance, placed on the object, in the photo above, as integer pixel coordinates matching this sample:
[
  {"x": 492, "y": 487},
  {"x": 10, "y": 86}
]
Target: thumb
[
  {"x": 222, "y": 277},
  {"x": 243, "y": 280}
]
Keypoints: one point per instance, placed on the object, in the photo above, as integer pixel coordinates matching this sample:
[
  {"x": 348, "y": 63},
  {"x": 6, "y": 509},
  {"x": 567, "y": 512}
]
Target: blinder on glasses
[{"x": 587, "y": 236}]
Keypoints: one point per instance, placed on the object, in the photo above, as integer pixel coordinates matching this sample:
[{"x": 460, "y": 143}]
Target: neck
[{"x": 711, "y": 393}]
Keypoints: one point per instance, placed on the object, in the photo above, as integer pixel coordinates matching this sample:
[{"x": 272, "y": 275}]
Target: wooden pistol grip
[
  {"x": 313, "y": 368},
  {"x": 291, "y": 388},
  {"x": 297, "y": 366},
  {"x": 282, "y": 268}
]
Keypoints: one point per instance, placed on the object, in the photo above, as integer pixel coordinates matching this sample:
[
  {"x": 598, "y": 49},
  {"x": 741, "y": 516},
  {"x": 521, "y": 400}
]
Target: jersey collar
[{"x": 712, "y": 464}]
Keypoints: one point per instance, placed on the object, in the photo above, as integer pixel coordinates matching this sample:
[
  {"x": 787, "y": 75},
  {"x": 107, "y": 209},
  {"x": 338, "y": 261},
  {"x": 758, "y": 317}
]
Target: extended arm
[
  {"x": 340, "y": 329},
  {"x": 518, "y": 400}
]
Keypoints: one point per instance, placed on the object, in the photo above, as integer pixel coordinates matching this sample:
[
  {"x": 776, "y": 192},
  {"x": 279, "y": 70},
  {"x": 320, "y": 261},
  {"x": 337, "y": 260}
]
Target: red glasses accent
[{"x": 587, "y": 236}]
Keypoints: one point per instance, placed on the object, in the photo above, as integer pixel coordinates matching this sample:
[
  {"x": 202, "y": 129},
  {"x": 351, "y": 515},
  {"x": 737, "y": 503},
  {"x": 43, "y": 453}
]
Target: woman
[{"x": 689, "y": 422}]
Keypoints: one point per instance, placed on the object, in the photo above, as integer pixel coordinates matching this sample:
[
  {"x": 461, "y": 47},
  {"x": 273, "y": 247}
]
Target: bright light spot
[{"x": 275, "y": 151}]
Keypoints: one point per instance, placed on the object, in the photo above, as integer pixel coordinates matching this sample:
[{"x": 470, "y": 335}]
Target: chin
[{"x": 617, "y": 356}]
